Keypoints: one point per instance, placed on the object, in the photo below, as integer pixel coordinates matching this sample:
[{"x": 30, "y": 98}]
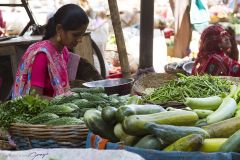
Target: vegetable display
[
  {"x": 61, "y": 110},
  {"x": 188, "y": 86},
  {"x": 210, "y": 122}
]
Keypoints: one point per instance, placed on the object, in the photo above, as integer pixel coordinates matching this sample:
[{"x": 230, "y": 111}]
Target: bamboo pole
[
  {"x": 146, "y": 34},
  {"x": 122, "y": 52}
]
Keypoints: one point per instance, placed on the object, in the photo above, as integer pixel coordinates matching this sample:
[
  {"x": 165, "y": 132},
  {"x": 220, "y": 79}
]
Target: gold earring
[{"x": 58, "y": 38}]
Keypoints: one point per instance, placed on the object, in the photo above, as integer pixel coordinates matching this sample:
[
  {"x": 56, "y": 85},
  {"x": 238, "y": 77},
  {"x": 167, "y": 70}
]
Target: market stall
[{"x": 159, "y": 116}]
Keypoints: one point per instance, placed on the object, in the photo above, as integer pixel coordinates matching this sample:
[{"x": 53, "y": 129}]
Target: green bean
[{"x": 189, "y": 86}]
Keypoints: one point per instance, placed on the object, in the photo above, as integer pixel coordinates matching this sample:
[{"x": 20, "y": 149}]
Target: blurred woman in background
[{"x": 213, "y": 58}]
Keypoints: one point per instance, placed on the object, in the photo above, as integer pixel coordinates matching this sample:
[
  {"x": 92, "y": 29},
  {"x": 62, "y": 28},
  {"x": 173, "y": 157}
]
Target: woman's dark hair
[
  {"x": 70, "y": 16},
  {"x": 234, "y": 54}
]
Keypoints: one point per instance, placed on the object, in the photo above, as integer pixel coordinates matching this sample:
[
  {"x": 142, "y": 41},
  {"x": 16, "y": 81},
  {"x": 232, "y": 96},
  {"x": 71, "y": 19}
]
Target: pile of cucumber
[{"x": 208, "y": 124}]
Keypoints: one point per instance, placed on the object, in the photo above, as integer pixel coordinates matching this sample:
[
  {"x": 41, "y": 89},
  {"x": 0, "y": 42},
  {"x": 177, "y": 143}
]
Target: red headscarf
[{"x": 209, "y": 45}]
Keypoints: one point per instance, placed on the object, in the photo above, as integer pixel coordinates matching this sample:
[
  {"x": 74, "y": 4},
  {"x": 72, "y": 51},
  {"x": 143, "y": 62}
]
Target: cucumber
[
  {"x": 124, "y": 137},
  {"x": 98, "y": 126},
  {"x": 169, "y": 133},
  {"x": 132, "y": 109},
  {"x": 210, "y": 103},
  {"x": 232, "y": 144},
  {"x": 202, "y": 113},
  {"x": 109, "y": 114},
  {"x": 188, "y": 143},
  {"x": 223, "y": 129},
  {"x": 149, "y": 142},
  {"x": 225, "y": 111},
  {"x": 212, "y": 144},
  {"x": 134, "y": 124}
]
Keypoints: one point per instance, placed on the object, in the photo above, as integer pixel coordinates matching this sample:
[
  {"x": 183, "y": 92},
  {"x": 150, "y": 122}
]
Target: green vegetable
[
  {"x": 188, "y": 86},
  {"x": 21, "y": 109},
  {"x": 132, "y": 109},
  {"x": 64, "y": 121},
  {"x": 149, "y": 142},
  {"x": 124, "y": 137},
  {"x": 61, "y": 99},
  {"x": 225, "y": 110},
  {"x": 109, "y": 114},
  {"x": 58, "y": 109},
  {"x": 134, "y": 124},
  {"x": 98, "y": 126},
  {"x": 42, "y": 118},
  {"x": 212, "y": 144},
  {"x": 202, "y": 113},
  {"x": 223, "y": 129},
  {"x": 88, "y": 90},
  {"x": 232, "y": 144},
  {"x": 188, "y": 143},
  {"x": 210, "y": 103},
  {"x": 169, "y": 133},
  {"x": 91, "y": 97},
  {"x": 72, "y": 105}
]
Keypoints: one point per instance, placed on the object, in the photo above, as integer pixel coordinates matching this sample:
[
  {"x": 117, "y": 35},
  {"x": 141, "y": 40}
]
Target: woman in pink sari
[{"x": 43, "y": 67}]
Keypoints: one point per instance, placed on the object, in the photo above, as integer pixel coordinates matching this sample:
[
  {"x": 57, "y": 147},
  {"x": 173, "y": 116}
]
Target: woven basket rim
[
  {"x": 42, "y": 125},
  {"x": 145, "y": 81},
  {"x": 29, "y": 136}
]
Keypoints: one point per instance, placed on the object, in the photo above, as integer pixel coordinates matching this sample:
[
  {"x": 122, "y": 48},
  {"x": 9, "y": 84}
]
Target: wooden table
[
  {"x": 10, "y": 53},
  {"x": 15, "y": 48}
]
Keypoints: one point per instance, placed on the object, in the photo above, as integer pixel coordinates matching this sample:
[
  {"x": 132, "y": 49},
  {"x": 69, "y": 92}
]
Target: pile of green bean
[{"x": 189, "y": 86}]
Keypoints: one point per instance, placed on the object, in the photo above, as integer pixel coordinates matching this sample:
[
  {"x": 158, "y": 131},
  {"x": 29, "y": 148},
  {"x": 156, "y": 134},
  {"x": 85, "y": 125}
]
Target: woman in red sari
[{"x": 212, "y": 57}]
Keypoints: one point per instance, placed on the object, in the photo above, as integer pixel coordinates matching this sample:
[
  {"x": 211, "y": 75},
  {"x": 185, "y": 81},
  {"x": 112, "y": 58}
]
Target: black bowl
[{"x": 121, "y": 86}]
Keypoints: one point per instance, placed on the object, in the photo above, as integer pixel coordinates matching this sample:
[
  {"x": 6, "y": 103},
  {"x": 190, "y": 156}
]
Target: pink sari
[{"x": 57, "y": 69}]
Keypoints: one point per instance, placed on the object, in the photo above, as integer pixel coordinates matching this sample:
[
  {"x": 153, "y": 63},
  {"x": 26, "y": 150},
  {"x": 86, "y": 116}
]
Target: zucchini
[
  {"x": 232, "y": 144},
  {"x": 98, "y": 126},
  {"x": 212, "y": 144},
  {"x": 210, "y": 103},
  {"x": 134, "y": 125},
  {"x": 223, "y": 129},
  {"x": 202, "y": 113},
  {"x": 109, "y": 114},
  {"x": 42, "y": 118},
  {"x": 169, "y": 133},
  {"x": 124, "y": 137},
  {"x": 188, "y": 143},
  {"x": 225, "y": 111},
  {"x": 132, "y": 109},
  {"x": 149, "y": 142}
]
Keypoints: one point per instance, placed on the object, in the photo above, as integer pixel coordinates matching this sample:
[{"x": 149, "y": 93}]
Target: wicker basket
[
  {"x": 151, "y": 80},
  {"x": 5, "y": 145},
  {"x": 41, "y": 136}
]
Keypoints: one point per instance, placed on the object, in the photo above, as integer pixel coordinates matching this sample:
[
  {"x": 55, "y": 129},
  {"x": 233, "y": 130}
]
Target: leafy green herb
[{"x": 21, "y": 109}]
